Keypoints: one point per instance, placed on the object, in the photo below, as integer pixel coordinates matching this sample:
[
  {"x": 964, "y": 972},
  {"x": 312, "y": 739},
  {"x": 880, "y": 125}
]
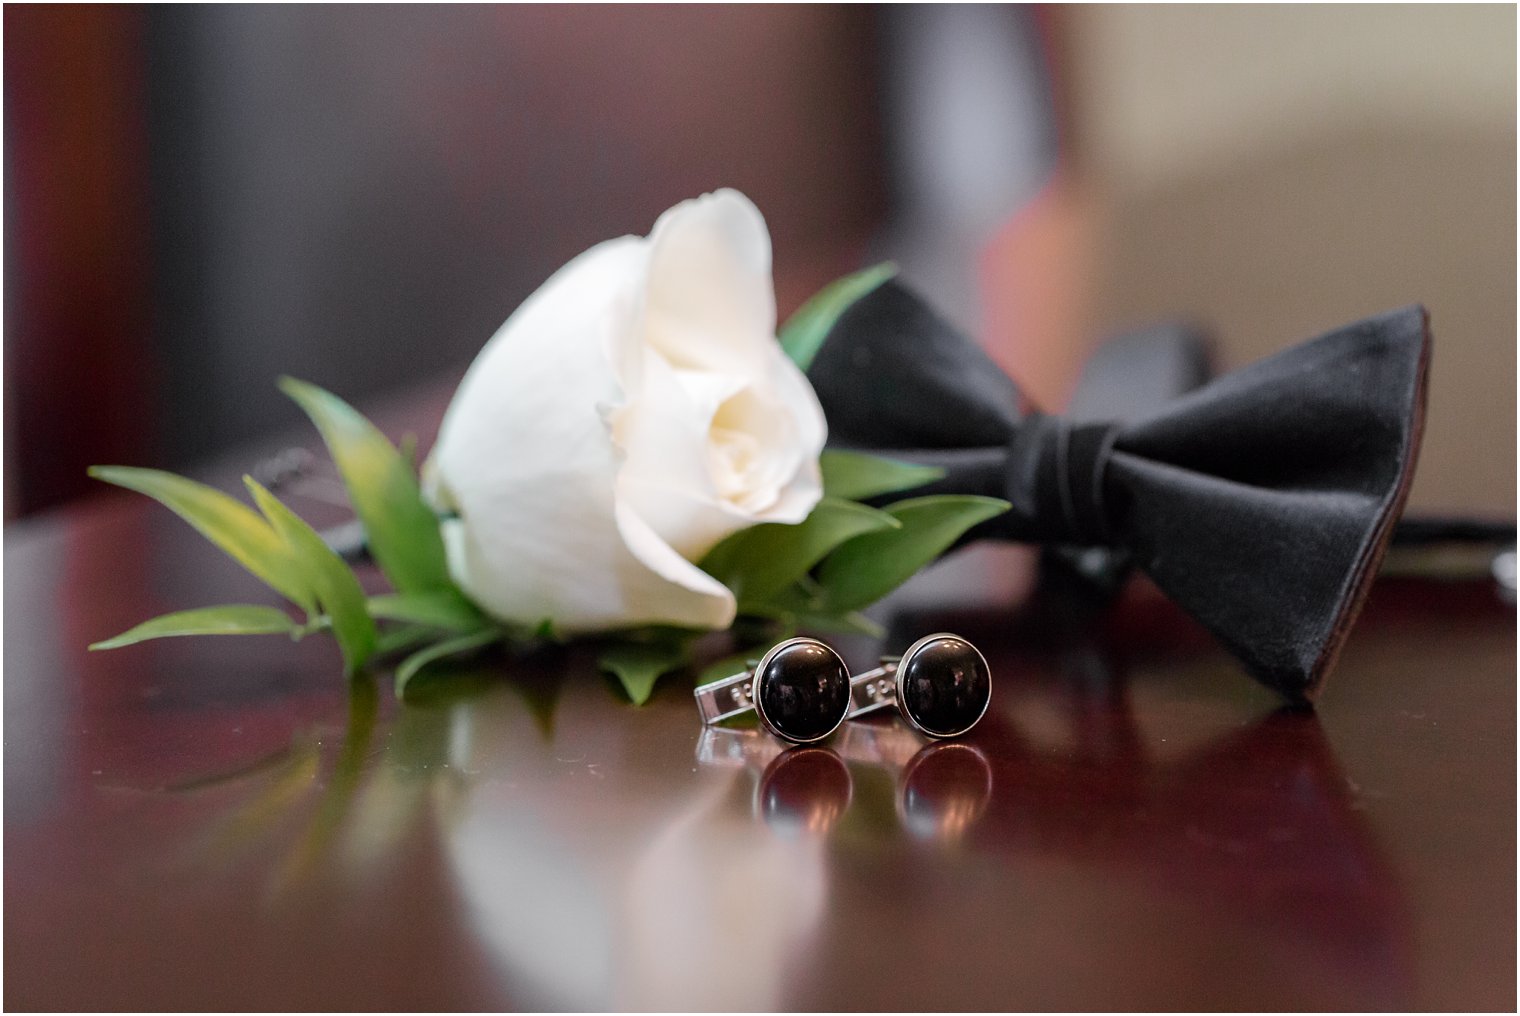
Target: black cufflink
[
  {"x": 941, "y": 686},
  {"x": 800, "y": 689}
]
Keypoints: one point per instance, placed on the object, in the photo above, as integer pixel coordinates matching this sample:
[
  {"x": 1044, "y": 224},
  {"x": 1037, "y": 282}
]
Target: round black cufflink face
[
  {"x": 801, "y": 690},
  {"x": 943, "y": 685}
]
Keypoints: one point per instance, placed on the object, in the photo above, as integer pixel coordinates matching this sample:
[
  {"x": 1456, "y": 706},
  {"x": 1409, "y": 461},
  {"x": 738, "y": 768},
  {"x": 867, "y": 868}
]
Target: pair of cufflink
[{"x": 802, "y": 691}]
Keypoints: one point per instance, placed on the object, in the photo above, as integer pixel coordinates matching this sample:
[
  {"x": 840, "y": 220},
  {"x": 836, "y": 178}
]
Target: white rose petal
[{"x": 633, "y": 412}]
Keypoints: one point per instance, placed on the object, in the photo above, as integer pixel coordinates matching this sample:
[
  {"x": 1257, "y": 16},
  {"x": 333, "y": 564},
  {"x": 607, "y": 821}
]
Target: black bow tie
[{"x": 1261, "y": 502}]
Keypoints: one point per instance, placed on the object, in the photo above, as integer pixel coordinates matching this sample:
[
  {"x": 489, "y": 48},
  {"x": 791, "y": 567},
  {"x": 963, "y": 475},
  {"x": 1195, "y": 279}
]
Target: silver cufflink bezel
[
  {"x": 740, "y": 693},
  {"x": 882, "y": 687}
]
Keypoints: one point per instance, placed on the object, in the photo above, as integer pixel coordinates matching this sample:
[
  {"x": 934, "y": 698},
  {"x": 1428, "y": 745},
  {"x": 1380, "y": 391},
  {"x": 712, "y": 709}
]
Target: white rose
[{"x": 630, "y": 414}]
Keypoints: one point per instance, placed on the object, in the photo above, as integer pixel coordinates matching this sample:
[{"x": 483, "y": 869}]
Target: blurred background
[{"x": 198, "y": 199}]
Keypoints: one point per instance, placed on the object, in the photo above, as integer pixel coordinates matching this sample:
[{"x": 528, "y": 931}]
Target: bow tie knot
[{"x": 1068, "y": 464}]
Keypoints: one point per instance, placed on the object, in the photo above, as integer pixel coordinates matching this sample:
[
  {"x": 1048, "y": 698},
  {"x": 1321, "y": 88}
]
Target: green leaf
[
  {"x": 337, "y": 590},
  {"x": 639, "y": 665},
  {"x": 226, "y": 522},
  {"x": 855, "y": 476},
  {"x": 404, "y": 637},
  {"x": 871, "y": 566},
  {"x": 439, "y": 650},
  {"x": 731, "y": 665},
  {"x": 760, "y": 562},
  {"x": 803, "y": 334},
  {"x": 231, "y": 619},
  {"x": 400, "y": 528},
  {"x": 408, "y": 450},
  {"x": 850, "y": 622},
  {"x": 800, "y": 607},
  {"x": 441, "y": 609}
]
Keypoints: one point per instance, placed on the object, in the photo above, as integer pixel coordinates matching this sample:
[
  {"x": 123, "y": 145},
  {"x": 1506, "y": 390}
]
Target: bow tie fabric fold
[{"x": 1260, "y": 502}]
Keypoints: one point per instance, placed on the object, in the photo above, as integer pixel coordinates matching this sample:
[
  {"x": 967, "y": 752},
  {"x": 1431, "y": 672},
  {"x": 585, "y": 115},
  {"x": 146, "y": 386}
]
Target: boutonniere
[{"x": 636, "y": 458}]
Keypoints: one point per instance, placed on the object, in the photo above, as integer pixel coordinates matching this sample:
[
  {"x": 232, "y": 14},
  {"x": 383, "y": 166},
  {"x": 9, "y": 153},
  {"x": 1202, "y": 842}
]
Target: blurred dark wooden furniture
[
  {"x": 224, "y": 824},
  {"x": 201, "y": 199},
  {"x": 78, "y": 366}
]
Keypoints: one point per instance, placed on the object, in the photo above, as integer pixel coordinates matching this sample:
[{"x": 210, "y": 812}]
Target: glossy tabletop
[{"x": 228, "y": 824}]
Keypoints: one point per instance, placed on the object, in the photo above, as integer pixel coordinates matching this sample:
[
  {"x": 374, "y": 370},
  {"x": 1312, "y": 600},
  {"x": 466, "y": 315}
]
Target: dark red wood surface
[{"x": 226, "y": 824}]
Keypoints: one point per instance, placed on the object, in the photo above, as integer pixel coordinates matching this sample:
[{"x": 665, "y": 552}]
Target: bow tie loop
[{"x": 1068, "y": 464}]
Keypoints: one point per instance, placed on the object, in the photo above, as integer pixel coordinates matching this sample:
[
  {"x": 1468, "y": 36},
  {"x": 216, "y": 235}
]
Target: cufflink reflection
[
  {"x": 804, "y": 792},
  {"x": 944, "y": 789},
  {"x": 941, "y": 789}
]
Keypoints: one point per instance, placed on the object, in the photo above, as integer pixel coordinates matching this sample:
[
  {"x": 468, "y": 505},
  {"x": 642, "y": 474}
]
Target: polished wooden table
[{"x": 227, "y": 824}]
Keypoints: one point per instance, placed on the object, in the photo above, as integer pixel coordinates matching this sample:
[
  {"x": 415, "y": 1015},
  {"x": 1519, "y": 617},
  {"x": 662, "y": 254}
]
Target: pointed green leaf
[
  {"x": 441, "y": 650},
  {"x": 404, "y": 637},
  {"x": 855, "y": 476},
  {"x": 871, "y": 566},
  {"x": 803, "y": 334},
  {"x": 731, "y": 665},
  {"x": 799, "y": 607},
  {"x": 638, "y": 665},
  {"x": 442, "y": 609},
  {"x": 408, "y": 450},
  {"x": 226, "y": 522},
  {"x": 337, "y": 590},
  {"x": 230, "y": 619},
  {"x": 401, "y": 530},
  {"x": 850, "y": 622},
  {"x": 761, "y": 561}
]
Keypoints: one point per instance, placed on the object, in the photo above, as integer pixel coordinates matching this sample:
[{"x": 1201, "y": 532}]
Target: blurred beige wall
[{"x": 1277, "y": 171}]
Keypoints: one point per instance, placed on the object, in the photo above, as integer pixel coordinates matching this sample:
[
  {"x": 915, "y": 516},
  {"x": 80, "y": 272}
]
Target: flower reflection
[
  {"x": 601, "y": 872},
  {"x": 713, "y": 917}
]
